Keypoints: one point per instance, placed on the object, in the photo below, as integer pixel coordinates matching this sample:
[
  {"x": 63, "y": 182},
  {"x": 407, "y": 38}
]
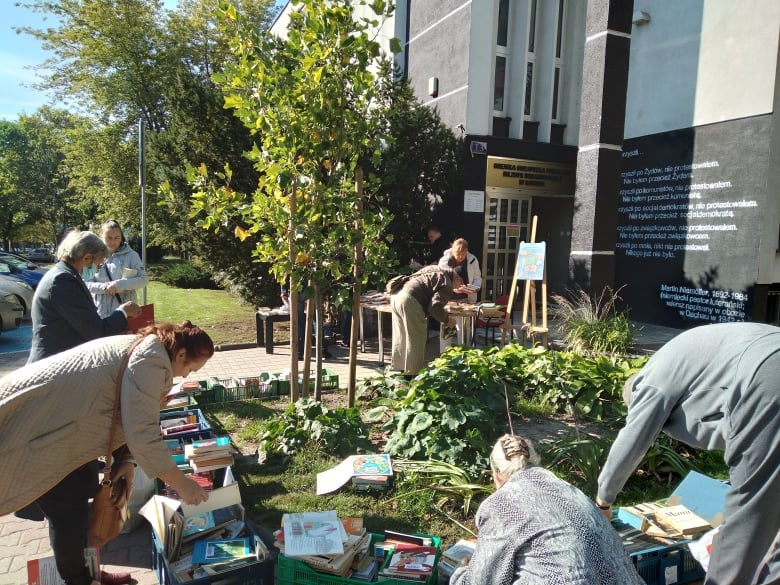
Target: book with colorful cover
[
  {"x": 204, "y": 523},
  {"x": 372, "y": 464},
  {"x": 414, "y": 562},
  {"x": 220, "y": 550},
  {"x": 203, "y": 446}
]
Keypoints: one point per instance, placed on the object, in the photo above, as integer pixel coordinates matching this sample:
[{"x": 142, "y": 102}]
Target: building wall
[
  {"x": 700, "y": 212},
  {"x": 697, "y": 62},
  {"x": 438, "y": 47}
]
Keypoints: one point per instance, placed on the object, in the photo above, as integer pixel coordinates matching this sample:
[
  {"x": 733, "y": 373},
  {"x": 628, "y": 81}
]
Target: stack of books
[
  {"x": 325, "y": 543},
  {"x": 209, "y": 454},
  {"x": 413, "y": 563},
  {"x": 452, "y": 557},
  {"x": 187, "y": 421}
]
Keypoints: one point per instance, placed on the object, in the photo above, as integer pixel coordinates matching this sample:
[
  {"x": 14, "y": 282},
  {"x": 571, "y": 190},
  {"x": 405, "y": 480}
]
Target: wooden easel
[{"x": 527, "y": 329}]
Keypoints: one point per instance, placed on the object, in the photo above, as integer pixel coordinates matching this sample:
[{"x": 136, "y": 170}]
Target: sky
[{"x": 19, "y": 53}]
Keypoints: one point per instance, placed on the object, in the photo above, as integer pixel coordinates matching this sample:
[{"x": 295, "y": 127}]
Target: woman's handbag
[{"x": 110, "y": 507}]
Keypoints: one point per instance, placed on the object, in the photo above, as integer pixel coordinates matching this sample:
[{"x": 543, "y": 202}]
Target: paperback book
[
  {"x": 202, "y": 524},
  {"x": 416, "y": 563}
]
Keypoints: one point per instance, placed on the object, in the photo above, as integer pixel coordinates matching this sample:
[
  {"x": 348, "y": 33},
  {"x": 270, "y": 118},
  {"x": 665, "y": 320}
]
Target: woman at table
[
  {"x": 425, "y": 293},
  {"x": 538, "y": 529},
  {"x": 465, "y": 265}
]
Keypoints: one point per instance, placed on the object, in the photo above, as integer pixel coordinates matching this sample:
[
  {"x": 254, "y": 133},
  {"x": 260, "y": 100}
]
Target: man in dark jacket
[
  {"x": 63, "y": 310},
  {"x": 425, "y": 293}
]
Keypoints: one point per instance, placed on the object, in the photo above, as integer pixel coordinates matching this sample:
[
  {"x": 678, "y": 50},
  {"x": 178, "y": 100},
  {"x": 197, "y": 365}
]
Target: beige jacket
[{"x": 55, "y": 414}]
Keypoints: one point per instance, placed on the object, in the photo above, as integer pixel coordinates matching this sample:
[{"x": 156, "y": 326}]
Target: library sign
[{"x": 530, "y": 175}]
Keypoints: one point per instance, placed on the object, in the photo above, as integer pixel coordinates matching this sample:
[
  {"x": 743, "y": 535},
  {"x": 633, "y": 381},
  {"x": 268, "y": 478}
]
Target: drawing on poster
[{"x": 530, "y": 265}]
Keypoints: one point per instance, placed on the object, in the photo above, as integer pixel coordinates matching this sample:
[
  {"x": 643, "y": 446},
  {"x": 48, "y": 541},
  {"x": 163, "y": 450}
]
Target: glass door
[{"x": 506, "y": 225}]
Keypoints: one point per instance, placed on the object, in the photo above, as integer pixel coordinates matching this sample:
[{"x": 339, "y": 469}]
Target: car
[
  {"x": 31, "y": 277},
  {"x": 41, "y": 255},
  {"x": 21, "y": 262},
  {"x": 10, "y": 313},
  {"x": 20, "y": 289}
]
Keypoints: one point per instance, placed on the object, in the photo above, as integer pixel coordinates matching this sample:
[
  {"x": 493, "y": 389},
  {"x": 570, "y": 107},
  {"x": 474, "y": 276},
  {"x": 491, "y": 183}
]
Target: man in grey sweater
[{"x": 715, "y": 387}]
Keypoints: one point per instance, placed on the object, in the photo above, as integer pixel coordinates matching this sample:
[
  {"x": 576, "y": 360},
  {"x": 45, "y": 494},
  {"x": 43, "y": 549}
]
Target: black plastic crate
[
  {"x": 656, "y": 563},
  {"x": 256, "y": 573}
]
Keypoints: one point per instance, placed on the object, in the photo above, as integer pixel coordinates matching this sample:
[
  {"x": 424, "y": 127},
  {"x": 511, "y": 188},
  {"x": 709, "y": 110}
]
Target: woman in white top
[{"x": 121, "y": 274}]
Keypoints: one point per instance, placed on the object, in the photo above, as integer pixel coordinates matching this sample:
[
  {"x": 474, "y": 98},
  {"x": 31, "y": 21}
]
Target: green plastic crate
[
  {"x": 238, "y": 388},
  {"x": 330, "y": 381},
  {"x": 291, "y": 571}
]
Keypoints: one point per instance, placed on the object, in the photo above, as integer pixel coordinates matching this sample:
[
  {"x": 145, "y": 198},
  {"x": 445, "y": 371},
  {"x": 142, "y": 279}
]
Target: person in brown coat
[
  {"x": 425, "y": 293},
  {"x": 55, "y": 418}
]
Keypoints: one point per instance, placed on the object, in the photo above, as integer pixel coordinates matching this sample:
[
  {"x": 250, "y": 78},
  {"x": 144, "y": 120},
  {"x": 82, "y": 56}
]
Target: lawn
[{"x": 218, "y": 312}]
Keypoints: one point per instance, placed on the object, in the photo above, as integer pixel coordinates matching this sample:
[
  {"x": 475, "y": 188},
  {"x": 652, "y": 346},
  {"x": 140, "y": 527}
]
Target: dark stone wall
[{"x": 603, "y": 110}]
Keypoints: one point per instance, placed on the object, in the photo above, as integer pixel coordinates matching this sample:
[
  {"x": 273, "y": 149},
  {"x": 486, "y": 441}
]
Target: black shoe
[{"x": 31, "y": 512}]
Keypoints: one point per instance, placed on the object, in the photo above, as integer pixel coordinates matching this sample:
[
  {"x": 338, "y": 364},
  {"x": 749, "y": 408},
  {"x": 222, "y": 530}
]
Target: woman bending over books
[
  {"x": 55, "y": 418},
  {"x": 539, "y": 529}
]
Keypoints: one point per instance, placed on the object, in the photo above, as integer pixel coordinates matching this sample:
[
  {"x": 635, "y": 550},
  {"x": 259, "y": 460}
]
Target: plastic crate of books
[
  {"x": 667, "y": 564},
  {"x": 290, "y": 571},
  {"x": 255, "y": 573},
  {"x": 192, "y": 424},
  {"x": 656, "y": 563},
  {"x": 192, "y": 402}
]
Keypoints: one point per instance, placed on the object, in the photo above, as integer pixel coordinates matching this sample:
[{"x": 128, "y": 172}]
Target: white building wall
[{"x": 698, "y": 62}]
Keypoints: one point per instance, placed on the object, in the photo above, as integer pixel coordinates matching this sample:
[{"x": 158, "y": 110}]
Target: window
[
  {"x": 498, "y": 84},
  {"x": 502, "y": 36},
  {"x": 559, "y": 48},
  {"x": 531, "y": 62},
  {"x": 502, "y": 60}
]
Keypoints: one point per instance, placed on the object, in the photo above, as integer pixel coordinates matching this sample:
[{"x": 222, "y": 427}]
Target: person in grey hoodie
[
  {"x": 715, "y": 387},
  {"x": 121, "y": 274}
]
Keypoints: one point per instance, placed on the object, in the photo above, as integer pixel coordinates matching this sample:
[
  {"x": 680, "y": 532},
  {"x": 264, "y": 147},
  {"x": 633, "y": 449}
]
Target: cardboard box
[{"x": 702, "y": 495}]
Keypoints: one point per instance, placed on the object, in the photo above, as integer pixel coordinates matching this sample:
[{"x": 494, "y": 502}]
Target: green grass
[{"x": 216, "y": 311}]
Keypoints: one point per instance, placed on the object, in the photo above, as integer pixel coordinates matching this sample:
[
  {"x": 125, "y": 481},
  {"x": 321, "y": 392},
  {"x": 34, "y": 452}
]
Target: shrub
[
  {"x": 187, "y": 275},
  {"x": 339, "y": 430},
  {"x": 455, "y": 410},
  {"x": 593, "y": 324}
]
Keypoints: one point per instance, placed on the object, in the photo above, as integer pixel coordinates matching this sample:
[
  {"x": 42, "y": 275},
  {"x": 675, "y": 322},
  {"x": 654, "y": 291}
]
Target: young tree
[{"x": 311, "y": 100}]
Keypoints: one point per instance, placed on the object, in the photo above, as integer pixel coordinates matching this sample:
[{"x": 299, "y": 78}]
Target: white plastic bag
[{"x": 701, "y": 548}]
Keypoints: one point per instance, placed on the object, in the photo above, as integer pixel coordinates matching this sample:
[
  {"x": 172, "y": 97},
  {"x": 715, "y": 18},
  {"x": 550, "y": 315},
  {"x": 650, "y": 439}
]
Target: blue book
[{"x": 220, "y": 550}]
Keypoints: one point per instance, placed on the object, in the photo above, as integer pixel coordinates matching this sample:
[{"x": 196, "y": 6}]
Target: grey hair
[
  {"x": 78, "y": 244},
  {"x": 510, "y": 454}
]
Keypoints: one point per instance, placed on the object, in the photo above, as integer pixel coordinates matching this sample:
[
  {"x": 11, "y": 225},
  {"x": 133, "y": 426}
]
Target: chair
[{"x": 490, "y": 321}]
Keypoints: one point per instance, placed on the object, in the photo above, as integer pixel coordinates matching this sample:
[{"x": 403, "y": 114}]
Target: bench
[{"x": 265, "y": 328}]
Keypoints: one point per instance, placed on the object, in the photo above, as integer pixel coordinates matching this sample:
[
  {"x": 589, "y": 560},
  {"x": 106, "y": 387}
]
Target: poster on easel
[
  {"x": 530, "y": 261},
  {"x": 530, "y": 267}
]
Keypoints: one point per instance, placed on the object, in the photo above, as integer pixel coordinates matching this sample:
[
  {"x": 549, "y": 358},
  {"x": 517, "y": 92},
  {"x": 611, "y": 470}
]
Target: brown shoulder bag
[{"x": 110, "y": 508}]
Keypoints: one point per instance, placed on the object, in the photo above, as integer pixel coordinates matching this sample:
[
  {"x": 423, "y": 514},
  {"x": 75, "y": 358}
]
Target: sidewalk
[{"x": 21, "y": 540}]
